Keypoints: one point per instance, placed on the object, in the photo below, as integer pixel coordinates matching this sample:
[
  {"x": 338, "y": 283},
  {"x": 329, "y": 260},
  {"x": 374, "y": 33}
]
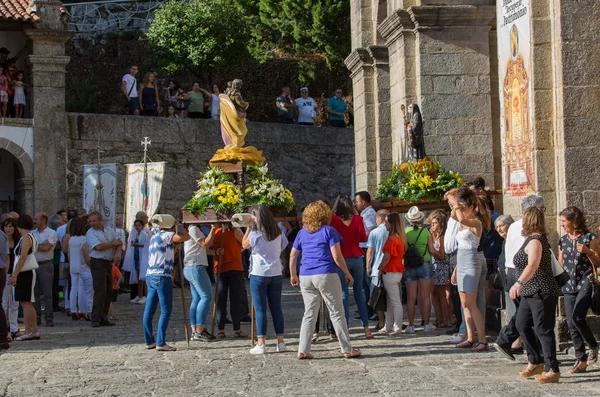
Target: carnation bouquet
[
  {"x": 420, "y": 181},
  {"x": 217, "y": 190}
]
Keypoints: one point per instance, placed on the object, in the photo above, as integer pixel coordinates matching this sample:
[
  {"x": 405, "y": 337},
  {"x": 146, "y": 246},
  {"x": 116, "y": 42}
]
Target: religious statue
[
  {"x": 415, "y": 132},
  {"x": 234, "y": 129}
]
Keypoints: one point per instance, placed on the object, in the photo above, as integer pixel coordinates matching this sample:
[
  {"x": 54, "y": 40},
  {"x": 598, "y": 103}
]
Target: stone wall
[{"x": 314, "y": 162}]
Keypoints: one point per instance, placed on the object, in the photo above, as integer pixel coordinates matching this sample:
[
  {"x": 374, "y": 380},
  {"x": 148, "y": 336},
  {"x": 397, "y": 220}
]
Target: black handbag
[
  {"x": 378, "y": 298},
  {"x": 412, "y": 256}
]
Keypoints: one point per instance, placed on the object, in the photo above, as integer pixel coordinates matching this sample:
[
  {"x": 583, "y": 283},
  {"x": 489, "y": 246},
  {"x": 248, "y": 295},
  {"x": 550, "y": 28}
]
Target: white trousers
[
  {"x": 82, "y": 292},
  {"x": 9, "y": 303},
  {"x": 394, "y": 313}
]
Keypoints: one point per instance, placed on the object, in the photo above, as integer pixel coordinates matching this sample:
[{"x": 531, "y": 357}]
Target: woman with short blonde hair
[{"x": 319, "y": 245}]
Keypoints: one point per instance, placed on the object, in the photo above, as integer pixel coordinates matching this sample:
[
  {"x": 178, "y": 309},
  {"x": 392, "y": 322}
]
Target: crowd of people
[
  {"x": 13, "y": 89},
  {"x": 146, "y": 99},
  {"x": 444, "y": 260}
]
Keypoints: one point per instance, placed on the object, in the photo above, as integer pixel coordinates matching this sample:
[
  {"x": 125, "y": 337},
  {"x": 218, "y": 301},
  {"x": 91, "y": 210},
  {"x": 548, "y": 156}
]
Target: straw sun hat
[{"x": 414, "y": 215}]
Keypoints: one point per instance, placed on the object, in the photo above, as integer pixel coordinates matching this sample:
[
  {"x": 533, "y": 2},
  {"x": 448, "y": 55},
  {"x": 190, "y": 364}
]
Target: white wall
[{"x": 15, "y": 41}]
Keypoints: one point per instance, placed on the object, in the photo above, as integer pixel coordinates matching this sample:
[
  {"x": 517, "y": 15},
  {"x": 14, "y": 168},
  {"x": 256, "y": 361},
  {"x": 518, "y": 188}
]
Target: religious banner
[
  {"x": 100, "y": 194},
  {"x": 142, "y": 192},
  {"x": 516, "y": 97}
]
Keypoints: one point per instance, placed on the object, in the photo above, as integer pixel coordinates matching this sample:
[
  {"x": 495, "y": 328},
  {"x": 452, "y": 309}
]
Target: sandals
[
  {"x": 166, "y": 348},
  {"x": 332, "y": 336},
  {"x": 239, "y": 334},
  {"x": 579, "y": 367},
  {"x": 369, "y": 336},
  {"x": 151, "y": 346},
  {"x": 221, "y": 334},
  {"x": 315, "y": 337},
  {"x": 466, "y": 344},
  {"x": 480, "y": 347},
  {"x": 354, "y": 354},
  {"x": 305, "y": 356},
  {"x": 532, "y": 370},
  {"x": 593, "y": 358}
]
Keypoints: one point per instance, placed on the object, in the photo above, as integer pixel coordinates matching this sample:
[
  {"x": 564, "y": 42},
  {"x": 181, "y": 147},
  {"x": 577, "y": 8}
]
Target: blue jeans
[
  {"x": 263, "y": 290},
  {"x": 202, "y": 297},
  {"x": 357, "y": 270},
  {"x": 160, "y": 290}
]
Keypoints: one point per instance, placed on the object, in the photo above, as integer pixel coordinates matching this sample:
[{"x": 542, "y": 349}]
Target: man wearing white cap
[{"x": 307, "y": 108}]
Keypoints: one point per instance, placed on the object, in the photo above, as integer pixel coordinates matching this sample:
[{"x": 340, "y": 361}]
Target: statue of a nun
[{"x": 415, "y": 132}]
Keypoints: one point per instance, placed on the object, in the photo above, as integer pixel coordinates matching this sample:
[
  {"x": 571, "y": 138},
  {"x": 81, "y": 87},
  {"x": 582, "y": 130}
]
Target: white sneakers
[
  {"x": 142, "y": 301},
  {"x": 258, "y": 349},
  {"x": 136, "y": 300},
  {"x": 457, "y": 338},
  {"x": 263, "y": 349},
  {"x": 410, "y": 330},
  {"x": 429, "y": 327}
]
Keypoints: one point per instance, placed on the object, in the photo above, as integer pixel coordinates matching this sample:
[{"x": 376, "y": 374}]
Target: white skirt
[{"x": 19, "y": 99}]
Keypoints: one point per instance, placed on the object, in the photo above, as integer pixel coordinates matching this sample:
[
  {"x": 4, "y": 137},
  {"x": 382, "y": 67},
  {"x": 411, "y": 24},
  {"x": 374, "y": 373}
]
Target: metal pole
[
  {"x": 185, "y": 315},
  {"x": 252, "y": 322}
]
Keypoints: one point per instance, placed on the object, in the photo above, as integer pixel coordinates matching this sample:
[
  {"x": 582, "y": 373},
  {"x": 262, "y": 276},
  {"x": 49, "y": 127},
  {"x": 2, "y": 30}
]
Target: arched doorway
[{"x": 11, "y": 173}]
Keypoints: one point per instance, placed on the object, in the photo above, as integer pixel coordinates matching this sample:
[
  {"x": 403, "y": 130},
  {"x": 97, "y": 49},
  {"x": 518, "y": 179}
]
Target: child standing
[
  {"x": 19, "y": 100},
  {"x": 3, "y": 93},
  {"x": 133, "y": 260},
  {"x": 116, "y": 275}
]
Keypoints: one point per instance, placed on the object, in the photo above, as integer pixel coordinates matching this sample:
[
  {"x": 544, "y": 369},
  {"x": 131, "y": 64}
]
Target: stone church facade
[{"x": 444, "y": 56}]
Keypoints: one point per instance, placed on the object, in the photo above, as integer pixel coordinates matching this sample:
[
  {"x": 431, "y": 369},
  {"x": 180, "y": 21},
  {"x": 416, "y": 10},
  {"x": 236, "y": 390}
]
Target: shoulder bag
[
  {"x": 561, "y": 276},
  {"x": 412, "y": 256},
  {"x": 378, "y": 299},
  {"x": 30, "y": 262}
]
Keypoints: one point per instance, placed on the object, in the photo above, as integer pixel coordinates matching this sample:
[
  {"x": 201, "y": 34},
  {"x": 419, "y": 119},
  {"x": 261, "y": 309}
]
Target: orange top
[
  {"x": 395, "y": 247},
  {"x": 232, "y": 257},
  {"x": 116, "y": 274}
]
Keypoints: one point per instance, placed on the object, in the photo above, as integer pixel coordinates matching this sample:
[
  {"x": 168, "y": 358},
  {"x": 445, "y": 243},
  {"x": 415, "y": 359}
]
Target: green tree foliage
[
  {"x": 197, "y": 35},
  {"x": 303, "y": 29}
]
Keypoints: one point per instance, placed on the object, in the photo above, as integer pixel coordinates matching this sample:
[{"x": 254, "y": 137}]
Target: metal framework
[{"x": 111, "y": 15}]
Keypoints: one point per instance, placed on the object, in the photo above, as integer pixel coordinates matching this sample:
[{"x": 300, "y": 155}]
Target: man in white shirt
[
  {"x": 307, "y": 108},
  {"x": 375, "y": 243},
  {"x": 105, "y": 250},
  {"x": 514, "y": 240},
  {"x": 129, "y": 89},
  {"x": 47, "y": 240},
  {"x": 362, "y": 202}
]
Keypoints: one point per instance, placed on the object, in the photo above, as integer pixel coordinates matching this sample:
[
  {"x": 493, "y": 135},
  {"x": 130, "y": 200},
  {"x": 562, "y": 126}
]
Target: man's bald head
[{"x": 40, "y": 220}]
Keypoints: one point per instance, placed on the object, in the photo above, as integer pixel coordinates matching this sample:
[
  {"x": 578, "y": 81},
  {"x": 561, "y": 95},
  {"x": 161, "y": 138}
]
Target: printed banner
[
  {"x": 142, "y": 194},
  {"x": 101, "y": 194},
  {"x": 516, "y": 97}
]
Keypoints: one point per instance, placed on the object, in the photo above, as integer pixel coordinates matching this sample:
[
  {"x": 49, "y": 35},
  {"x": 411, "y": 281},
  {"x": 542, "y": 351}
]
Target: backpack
[{"x": 412, "y": 256}]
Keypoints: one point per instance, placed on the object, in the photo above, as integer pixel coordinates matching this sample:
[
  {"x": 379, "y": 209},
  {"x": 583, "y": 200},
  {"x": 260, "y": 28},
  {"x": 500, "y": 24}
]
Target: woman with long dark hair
[
  {"x": 24, "y": 280},
  {"x": 474, "y": 219},
  {"x": 267, "y": 242},
  {"x": 579, "y": 253},
  {"x": 351, "y": 227},
  {"x": 390, "y": 272},
  {"x": 10, "y": 305}
]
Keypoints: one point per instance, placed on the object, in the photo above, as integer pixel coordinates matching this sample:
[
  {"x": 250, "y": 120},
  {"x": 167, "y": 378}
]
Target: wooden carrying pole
[
  {"x": 216, "y": 300},
  {"x": 185, "y": 313}
]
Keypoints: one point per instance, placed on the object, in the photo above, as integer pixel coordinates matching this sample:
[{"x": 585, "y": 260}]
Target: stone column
[
  {"x": 48, "y": 67},
  {"x": 398, "y": 32},
  {"x": 361, "y": 71},
  {"x": 453, "y": 85}
]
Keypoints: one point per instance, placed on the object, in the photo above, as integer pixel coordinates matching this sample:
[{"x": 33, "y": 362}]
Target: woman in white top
[
  {"x": 136, "y": 261},
  {"x": 82, "y": 286},
  {"x": 474, "y": 218},
  {"x": 195, "y": 272},
  {"x": 267, "y": 242}
]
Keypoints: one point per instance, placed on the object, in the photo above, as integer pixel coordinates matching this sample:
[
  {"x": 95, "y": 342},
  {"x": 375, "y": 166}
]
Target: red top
[
  {"x": 232, "y": 256},
  {"x": 353, "y": 235},
  {"x": 395, "y": 247}
]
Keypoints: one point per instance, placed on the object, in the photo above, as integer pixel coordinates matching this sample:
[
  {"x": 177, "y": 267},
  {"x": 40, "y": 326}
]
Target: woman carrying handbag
[{"x": 578, "y": 254}]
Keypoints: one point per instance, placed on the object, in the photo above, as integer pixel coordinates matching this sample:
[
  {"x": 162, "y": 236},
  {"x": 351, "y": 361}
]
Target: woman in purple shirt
[{"x": 321, "y": 256}]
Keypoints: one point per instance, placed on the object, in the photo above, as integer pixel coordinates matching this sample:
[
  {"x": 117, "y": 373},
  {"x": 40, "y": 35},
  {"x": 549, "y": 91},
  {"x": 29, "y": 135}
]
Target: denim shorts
[{"x": 424, "y": 272}]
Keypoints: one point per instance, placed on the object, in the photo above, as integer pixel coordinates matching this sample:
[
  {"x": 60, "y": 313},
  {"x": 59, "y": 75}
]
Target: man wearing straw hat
[{"x": 158, "y": 278}]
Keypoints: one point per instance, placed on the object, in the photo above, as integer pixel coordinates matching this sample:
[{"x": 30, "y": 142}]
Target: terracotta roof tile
[{"x": 17, "y": 10}]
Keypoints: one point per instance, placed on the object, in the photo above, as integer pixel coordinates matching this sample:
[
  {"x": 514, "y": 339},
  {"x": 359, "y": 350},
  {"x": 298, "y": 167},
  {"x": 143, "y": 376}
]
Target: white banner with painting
[
  {"x": 516, "y": 96},
  {"x": 100, "y": 194},
  {"x": 142, "y": 194}
]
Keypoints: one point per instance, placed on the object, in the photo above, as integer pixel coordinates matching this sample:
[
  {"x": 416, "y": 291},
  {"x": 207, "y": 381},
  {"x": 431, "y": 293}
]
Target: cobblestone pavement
[{"x": 73, "y": 359}]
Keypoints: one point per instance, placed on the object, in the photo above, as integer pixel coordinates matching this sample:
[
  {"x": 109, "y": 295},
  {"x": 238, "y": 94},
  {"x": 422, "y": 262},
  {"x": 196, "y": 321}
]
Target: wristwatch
[{"x": 519, "y": 282}]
